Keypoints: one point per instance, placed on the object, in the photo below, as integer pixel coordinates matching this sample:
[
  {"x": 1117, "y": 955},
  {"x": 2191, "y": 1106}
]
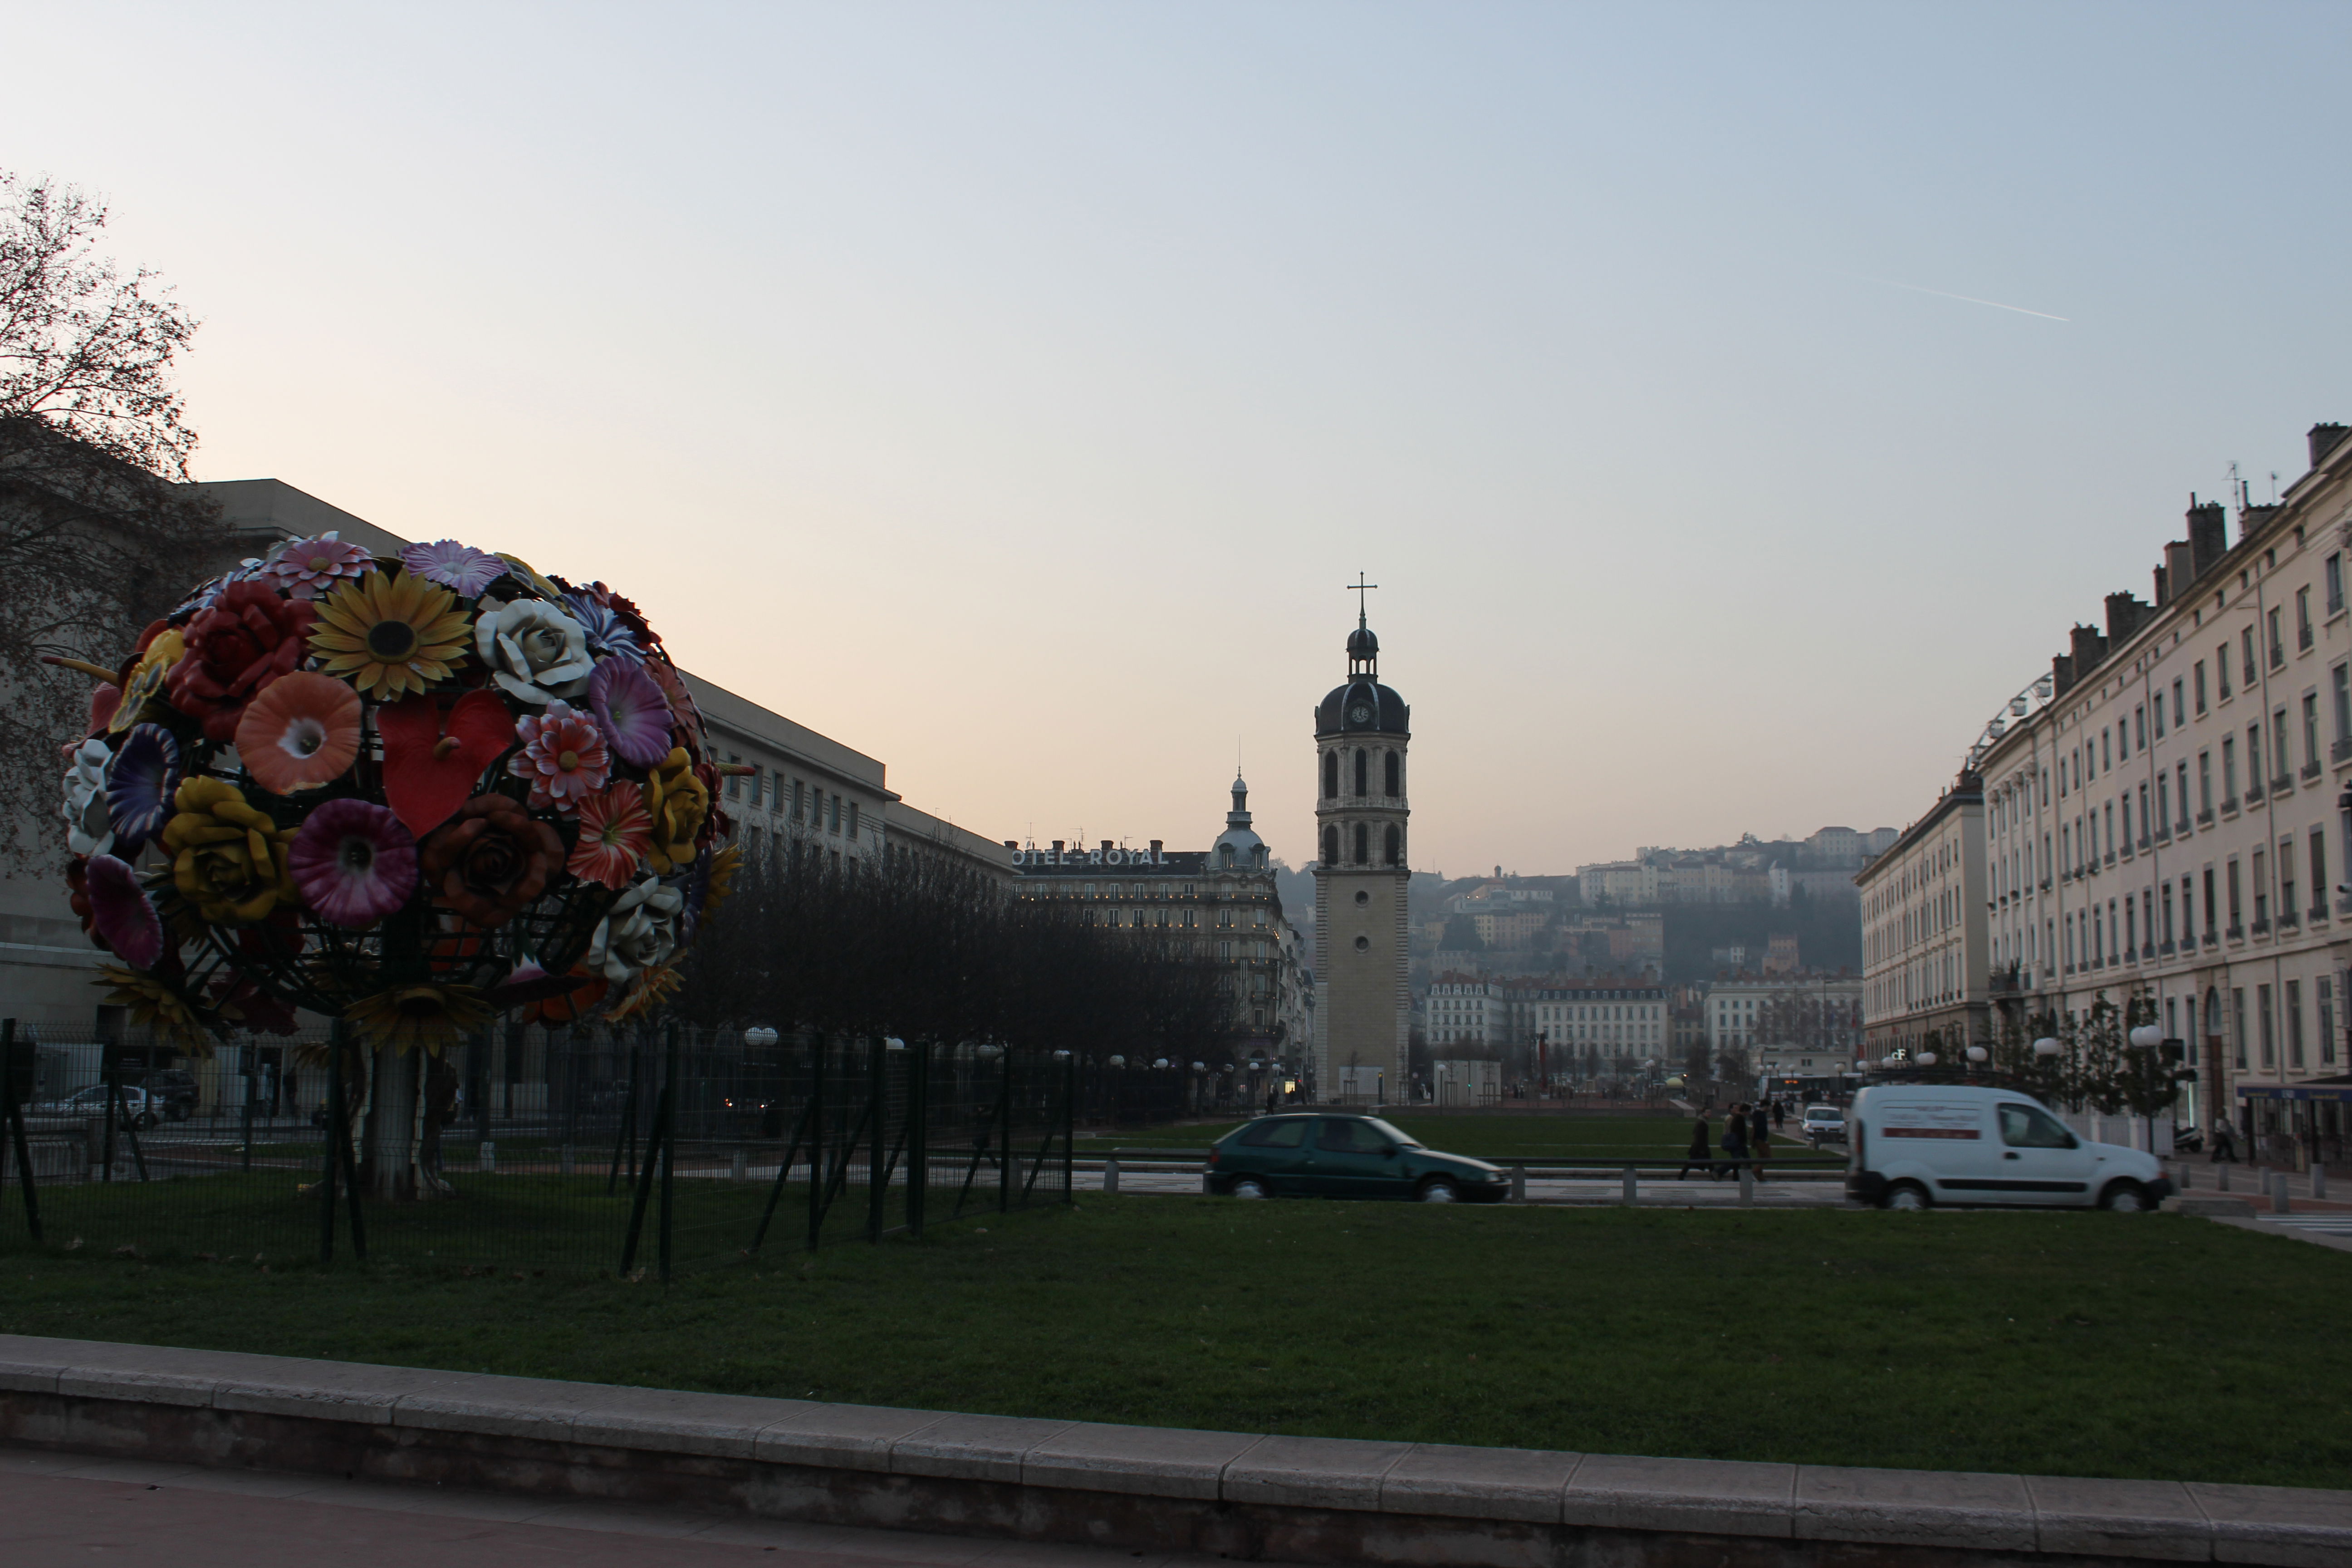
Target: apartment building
[
  {"x": 2170, "y": 821},
  {"x": 1925, "y": 966}
]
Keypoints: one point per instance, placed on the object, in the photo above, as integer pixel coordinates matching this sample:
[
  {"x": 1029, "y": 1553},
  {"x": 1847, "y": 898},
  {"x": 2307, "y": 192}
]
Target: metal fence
[{"x": 579, "y": 1149}]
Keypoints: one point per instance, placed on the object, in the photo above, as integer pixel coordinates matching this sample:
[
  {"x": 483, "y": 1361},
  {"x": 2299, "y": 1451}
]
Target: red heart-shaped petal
[{"x": 432, "y": 760}]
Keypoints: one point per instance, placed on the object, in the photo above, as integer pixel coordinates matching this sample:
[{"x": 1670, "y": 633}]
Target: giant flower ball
[{"x": 410, "y": 792}]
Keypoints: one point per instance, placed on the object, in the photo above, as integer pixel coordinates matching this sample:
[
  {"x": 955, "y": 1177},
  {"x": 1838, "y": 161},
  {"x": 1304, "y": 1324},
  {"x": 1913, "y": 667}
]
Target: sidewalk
[{"x": 61, "y": 1508}]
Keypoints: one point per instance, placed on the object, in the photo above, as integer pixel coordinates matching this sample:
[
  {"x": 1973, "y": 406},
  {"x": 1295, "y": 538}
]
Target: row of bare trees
[{"x": 917, "y": 946}]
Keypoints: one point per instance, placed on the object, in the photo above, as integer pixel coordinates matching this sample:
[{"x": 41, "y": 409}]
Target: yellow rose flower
[
  {"x": 679, "y": 803},
  {"x": 228, "y": 860}
]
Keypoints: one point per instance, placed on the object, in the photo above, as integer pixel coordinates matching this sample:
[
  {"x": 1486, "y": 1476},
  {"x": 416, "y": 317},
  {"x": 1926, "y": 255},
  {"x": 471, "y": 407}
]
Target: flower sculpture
[{"x": 410, "y": 792}]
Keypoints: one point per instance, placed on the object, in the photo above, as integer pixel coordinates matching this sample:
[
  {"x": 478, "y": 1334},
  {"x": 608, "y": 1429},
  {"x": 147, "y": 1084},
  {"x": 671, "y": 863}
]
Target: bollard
[
  {"x": 2222, "y": 1179},
  {"x": 1110, "y": 1175},
  {"x": 565, "y": 1159},
  {"x": 2319, "y": 1180},
  {"x": 1518, "y": 1183},
  {"x": 1746, "y": 1186},
  {"x": 1633, "y": 1187},
  {"x": 1204, "y": 1184},
  {"x": 488, "y": 1158},
  {"x": 2278, "y": 1193},
  {"x": 739, "y": 1166},
  {"x": 2188, "y": 1175}
]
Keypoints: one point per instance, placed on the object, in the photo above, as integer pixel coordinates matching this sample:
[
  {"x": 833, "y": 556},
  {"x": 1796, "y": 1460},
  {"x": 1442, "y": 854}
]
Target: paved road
[
  {"x": 1665, "y": 1193},
  {"x": 58, "y": 1509}
]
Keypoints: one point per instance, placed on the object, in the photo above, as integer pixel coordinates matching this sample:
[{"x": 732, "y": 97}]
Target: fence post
[
  {"x": 669, "y": 1142},
  {"x": 1633, "y": 1187},
  {"x": 626, "y": 1128},
  {"x": 2278, "y": 1193},
  {"x": 15, "y": 1115},
  {"x": 331, "y": 1118},
  {"x": 877, "y": 1051},
  {"x": 919, "y": 1132},
  {"x": 1518, "y": 1183},
  {"x": 2319, "y": 1180},
  {"x": 252, "y": 1080},
  {"x": 643, "y": 1186},
  {"x": 816, "y": 1138},
  {"x": 113, "y": 1112},
  {"x": 1110, "y": 1175},
  {"x": 1746, "y": 1186},
  {"x": 1004, "y": 1136},
  {"x": 1069, "y": 1128}
]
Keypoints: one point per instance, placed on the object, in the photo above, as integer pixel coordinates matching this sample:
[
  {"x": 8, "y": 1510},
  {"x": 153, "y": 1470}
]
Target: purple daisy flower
[
  {"x": 608, "y": 634},
  {"x": 634, "y": 715},
  {"x": 122, "y": 913},
  {"x": 458, "y": 566},
  {"x": 139, "y": 786},
  {"x": 353, "y": 862}
]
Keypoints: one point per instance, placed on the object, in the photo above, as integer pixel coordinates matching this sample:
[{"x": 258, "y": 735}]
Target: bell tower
[{"x": 1363, "y": 1014}]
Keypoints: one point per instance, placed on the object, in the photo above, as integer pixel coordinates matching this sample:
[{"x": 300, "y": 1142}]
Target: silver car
[{"x": 1823, "y": 1124}]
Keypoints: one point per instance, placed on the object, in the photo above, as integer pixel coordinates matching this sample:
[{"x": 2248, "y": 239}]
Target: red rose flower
[
  {"x": 489, "y": 861},
  {"x": 252, "y": 635}
]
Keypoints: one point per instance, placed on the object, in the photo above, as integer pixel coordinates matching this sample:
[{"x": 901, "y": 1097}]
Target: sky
[{"x": 1735, "y": 403}]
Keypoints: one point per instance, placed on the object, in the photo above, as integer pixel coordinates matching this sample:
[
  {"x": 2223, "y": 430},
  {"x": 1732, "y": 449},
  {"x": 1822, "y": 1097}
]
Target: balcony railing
[
  {"x": 2165, "y": 947},
  {"x": 2143, "y": 843},
  {"x": 2316, "y": 914},
  {"x": 2341, "y": 750},
  {"x": 2309, "y": 771},
  {"x": 2110, "y": 857},
  {"x": 2261, "y": 925},
  {"x": 2164, "y": 835},
  {"x": 2283, "y": 784},
  {"x": 2289, "y": 920},
  {"x": 2183, "y": 824},
  {"x": 2148, "y": 950},
  {"x": 2236, "y": 933},
  {"x": 2212, "y": 939},
  {"x": 2205, "y": 817}
]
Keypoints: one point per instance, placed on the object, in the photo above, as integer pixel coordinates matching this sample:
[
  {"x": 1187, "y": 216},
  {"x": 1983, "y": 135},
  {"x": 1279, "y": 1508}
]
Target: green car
[{"x": 1345, "y": 1157}]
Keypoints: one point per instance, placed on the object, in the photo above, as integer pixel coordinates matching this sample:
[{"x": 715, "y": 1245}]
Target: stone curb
[{"x": 1998, "y": 1515}]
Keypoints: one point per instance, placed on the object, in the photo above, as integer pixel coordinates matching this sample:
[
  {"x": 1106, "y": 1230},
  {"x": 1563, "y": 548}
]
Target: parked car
[
  {"x": 1345, "y": 1157},
  {"x": 1915, "y": 1145},
  {"x": 175, "y": 1088},
  {"x": 138, "y": 1109},
  {"x": 1822, "y": 1124}
]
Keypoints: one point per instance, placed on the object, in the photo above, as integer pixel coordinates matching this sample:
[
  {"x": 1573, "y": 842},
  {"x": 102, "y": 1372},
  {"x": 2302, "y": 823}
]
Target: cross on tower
[{"x": 1359, "y": 588}]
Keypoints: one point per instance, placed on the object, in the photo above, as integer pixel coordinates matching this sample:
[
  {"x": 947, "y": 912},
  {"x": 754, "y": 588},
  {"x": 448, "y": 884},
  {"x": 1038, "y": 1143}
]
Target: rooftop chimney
[
  {"x": 2127, "y": 613},
  {"x": 1012, "y": 844},
  {"x": 1155, "y": 847},
  {"x": 2061, "y": 675},
  {"x": 2322, "y": 441},
  {"x": 1057, "y": 846},
  {"x": 1106, "y": 846},
  {"x": 2208, "y": 538},
  {"x": 2089, "y": 648},
  {"x": 2177, "y": 572}
]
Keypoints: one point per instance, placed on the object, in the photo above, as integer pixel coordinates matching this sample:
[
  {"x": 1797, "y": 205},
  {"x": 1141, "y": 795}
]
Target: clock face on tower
[{"x": 1360, "y": 714}]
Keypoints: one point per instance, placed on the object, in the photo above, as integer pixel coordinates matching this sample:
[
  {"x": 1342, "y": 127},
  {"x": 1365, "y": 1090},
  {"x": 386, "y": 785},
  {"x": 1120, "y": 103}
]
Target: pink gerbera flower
[
  {"x": 307, "y": 568},
  {"x": 355, "y": 863},
  {"x": 614, "y": 832},
  {"x": 562, "y": 758},
  {"x": 458, "y": 566}
]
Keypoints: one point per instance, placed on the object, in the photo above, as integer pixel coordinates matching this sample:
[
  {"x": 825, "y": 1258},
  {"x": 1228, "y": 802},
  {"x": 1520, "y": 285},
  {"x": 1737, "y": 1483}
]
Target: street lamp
[
  {"x": 2147, "y": 1037},
  {"x": 759, "y": 1036},
  {"x": 2045, "y": 1046}
]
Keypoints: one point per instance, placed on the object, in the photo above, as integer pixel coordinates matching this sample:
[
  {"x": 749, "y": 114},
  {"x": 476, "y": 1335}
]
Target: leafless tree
[{"x": 98, "y": 532}]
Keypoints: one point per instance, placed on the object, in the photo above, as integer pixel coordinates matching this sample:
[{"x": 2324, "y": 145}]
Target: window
[
  {"x": 2287, "y": 879},
  {"x": 2163, "y": 801},
  {"x": 2182, "y": 773},
  {"x": 2324, "y": 999},
  {"x": 2166, "y": 906},
  {"x": 2199, "y": 672},
  {"x": 2278, "y": 647},
  {"x": 2318, "y": 872},
  {"x": 2209, "y": 912},
  {"x": 2262, "y": 891},
  {"x": 2333, "y": 569},
  {"x": 1330, "y": 775},
  {"x": 1363, "y": 846},
  {"x": 1395, "y": 847},
  {"x": 2236, "y": 907},
  {"x": 799, "y": 814},
  {"x": 1331, "y": 836},
  {"x": 2281, "y": 758},
  {"x": 2238, "y": 1022},
  {"x": 2269, "y": 1025},
  {"x": 2303, "y": 618},
  {"x": 2229, "y": 771},
  {"x": 1364, "y": 785},
  {"x": 2031, "y": 1127},
  {"x": 2106, "y": 756},
  {"x": 2310, "y": 732},
  {"x": 2159, "y": 706},
  {"x": 2246, "y": 653},
  {"x": 1393, "y": 766},
  {"x": 852, "y": 819},
  {"x": 2139, "y": 728}
]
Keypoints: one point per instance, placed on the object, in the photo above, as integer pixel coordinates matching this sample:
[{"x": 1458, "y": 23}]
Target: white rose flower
[
  {"x": 639, "y": 932},
  {"x": 534, "y": 650},
  {"x": 89, "y": 830}
]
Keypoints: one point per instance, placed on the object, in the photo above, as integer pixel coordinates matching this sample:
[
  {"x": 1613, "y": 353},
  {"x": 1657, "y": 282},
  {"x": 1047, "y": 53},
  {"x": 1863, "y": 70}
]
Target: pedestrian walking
[
  {"x": 2224, "y": 1143},
  {"x": 1780, "y": 1115},
  {"x": 1698, "y": 1153},
  {"x": 1734, "y": 1143}
]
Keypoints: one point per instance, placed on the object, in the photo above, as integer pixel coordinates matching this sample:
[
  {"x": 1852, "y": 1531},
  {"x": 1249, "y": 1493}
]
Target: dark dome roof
[
  {"x": 1363, "y": 643},
  {"x": 1385, "y": 711}
]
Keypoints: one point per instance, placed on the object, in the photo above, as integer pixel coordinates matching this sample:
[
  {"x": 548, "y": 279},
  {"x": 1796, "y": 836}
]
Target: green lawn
[
  {"x": 2066, "y": 1343},
  {"x": 1494, "y": 1136}
]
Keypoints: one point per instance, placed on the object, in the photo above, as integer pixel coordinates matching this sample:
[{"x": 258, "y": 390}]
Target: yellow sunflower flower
[
  {"x": 390, "y": 634},
  {"x": 430, "y": 1018},
  {"x": 157, "y": 1005}
]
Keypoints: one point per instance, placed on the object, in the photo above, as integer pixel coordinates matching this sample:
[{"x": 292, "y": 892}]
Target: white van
[{"x": 1918, "y": 1144}]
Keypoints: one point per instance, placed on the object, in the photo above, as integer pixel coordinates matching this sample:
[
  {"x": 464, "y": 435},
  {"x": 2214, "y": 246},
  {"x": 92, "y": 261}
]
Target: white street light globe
[
  {"x": 759, "y": 1036},
  {"x": 1927, "y": 1058},
  {"x": 2045, "y": 1046},
  {"x": 1118, "y": 1061},
  {"x": 2148, "y": 1037},
  {"x": 1978, "y": 1053}
]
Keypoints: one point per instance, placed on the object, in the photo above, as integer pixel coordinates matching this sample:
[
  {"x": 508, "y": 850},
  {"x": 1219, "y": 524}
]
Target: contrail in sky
[{"x": 1966, "y": 299}]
